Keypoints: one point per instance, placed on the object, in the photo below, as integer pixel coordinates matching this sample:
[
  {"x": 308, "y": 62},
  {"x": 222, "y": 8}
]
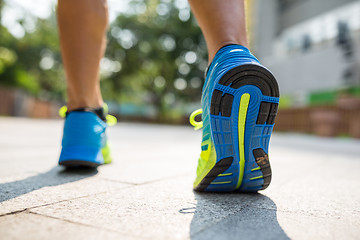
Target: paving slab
[
  {"x": 147, "y": 192},
  {"x": 145, "y": 153},
  {"x": 250, "y": 223},
  {"x": 303, "y": 226},
  {"x": 166, "y": 209},
  {"x": 55, "y": 185},
  {"x": 23, "y": 226},
  {"x": 326, "y": 192},
  {"x": 28, "y": 145}
]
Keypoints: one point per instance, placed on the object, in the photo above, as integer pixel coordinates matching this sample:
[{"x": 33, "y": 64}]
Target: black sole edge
[
  {"x": 78, "y": 163},
  {"x": 220, "y": 167},
  {"x": 262, "y": 160},
  {"x": 249, "y": 74}
]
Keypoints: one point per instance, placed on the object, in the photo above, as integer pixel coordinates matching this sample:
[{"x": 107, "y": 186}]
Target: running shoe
[
  {"x": 239, "y": 103},
  {"x": 84, "y": 140}
]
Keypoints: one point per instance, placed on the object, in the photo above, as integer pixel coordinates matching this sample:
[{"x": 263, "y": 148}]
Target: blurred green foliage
[
  {"x": 156, "y": 56},
  {"x": 21, "y": 60}
]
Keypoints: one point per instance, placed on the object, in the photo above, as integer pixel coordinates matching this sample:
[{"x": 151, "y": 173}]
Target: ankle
[
  {"x": 98, "y": 111},
  {"x": 214, "y": 48},
  {"x": 72, "y": 105}
]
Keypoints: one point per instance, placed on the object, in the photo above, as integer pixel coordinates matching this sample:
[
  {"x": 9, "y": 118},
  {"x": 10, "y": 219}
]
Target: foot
[
  {"x": 239, "y": 104},
  {"x": 84, "y": 140}
]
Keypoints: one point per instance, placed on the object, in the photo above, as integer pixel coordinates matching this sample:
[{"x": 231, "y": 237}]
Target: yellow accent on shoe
[
  {"x": 106, "y": 153},
  {"x": 254, "y": 169},
  {"x": 110, "y": 119},
  {"x": 221, "y": 182},
  {"x": 197, "y": 125},
  {"x": 254, "y": 178},
  {"x": 244, "y": 104},
  {"x": 105, "y": 107},
  {"x": 206, "y": 162},
  {"x": 62, "y": 111},
  {"x": 225, "y": 174}
]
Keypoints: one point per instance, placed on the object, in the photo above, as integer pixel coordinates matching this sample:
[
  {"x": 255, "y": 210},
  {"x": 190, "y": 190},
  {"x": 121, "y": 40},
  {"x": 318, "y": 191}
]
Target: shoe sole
[
  {"x": 243, "y": 108},
  {"x": 78, "y": 163}
]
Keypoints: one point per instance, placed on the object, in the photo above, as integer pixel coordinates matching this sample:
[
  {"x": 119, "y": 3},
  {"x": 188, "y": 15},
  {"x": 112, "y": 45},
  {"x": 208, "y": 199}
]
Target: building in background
[{"x": 312, "y": 46}]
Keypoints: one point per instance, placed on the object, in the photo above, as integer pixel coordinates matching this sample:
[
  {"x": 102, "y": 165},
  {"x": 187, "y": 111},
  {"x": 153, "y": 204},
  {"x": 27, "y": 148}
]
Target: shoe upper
[
  {"x": 84, "y": 128},
  {"x": 84, "y": 137}
]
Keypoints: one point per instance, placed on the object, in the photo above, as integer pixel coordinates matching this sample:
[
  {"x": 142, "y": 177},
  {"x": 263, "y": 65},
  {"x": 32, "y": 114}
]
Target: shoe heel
[{"x": 81, "y": 156}]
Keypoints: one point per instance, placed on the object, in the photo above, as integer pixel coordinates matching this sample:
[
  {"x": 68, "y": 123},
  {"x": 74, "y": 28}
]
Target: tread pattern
[
  {"x": 264, "y": 112},
  {"x": 262, "y": 160},
  {"x": 215, "y": 102},
  {"x": 221, "y": 104},
  {"x": 226, "y": 105},
  {"x": 219, "y": 168},
  {"x": 272, "y": 113}
]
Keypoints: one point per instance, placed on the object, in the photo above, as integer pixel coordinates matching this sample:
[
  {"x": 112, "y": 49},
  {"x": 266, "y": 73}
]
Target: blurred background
[{"x": 154, "y": 66}]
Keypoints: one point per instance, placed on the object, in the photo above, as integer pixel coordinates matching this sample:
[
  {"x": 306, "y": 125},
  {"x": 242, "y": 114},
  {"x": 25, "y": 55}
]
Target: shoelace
[
  {"x": 110, "y": 119},
  {"x": 197, "y": 125}
]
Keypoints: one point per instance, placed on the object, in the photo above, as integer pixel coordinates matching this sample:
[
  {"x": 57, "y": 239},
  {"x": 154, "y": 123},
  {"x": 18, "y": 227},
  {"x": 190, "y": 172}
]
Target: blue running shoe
[
  {"x": 84, "y": 140},
  {"x": 239, "y": 103}
]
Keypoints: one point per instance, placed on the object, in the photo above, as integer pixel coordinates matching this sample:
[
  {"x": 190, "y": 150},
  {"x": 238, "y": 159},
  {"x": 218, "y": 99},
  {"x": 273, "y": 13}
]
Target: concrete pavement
[{"x": 146, "y": 192}]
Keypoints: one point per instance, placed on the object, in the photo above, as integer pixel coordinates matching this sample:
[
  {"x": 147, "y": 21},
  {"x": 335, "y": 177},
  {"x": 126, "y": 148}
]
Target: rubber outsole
[
  {"x": 219, "y": 168},
  {"x": 242, "y": 164},
  {"x": 78, "y": 163}
]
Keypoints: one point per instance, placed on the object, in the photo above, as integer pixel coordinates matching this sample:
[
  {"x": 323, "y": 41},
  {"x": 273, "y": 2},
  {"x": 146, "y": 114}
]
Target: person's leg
[
  {"x": 239, "y": 104},
  {"x": 82, "y": 26},
  {"x": 221, "y": 21}
]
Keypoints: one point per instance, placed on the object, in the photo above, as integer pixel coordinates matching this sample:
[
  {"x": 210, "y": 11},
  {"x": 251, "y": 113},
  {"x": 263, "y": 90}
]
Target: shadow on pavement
[
  {"x": 55, "y": 176},
  {"x": 234, "y": 216}
]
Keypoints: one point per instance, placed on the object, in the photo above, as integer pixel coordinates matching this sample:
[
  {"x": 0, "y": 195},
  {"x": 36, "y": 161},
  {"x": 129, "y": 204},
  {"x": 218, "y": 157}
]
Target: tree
[
  {"x": 160, "y": 54},
  {"x": 156, "y": 57},
  {"x": 33, "y": 62}
]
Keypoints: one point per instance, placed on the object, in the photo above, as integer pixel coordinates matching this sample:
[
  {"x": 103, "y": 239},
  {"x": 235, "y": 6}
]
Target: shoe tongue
[{"x": 98, "y": 111}]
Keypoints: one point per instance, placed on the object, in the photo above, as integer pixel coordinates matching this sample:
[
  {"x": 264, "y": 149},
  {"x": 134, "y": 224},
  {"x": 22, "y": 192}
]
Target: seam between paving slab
[
  {"x": 87, "y": 225},
  {"x": 94, "y": 194},
  {"x": 65, "y": 200},
  {"x": 147, "y": 182},
  {"x": 69, "y": 221},
  {"x": 29, "y": 210}
]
